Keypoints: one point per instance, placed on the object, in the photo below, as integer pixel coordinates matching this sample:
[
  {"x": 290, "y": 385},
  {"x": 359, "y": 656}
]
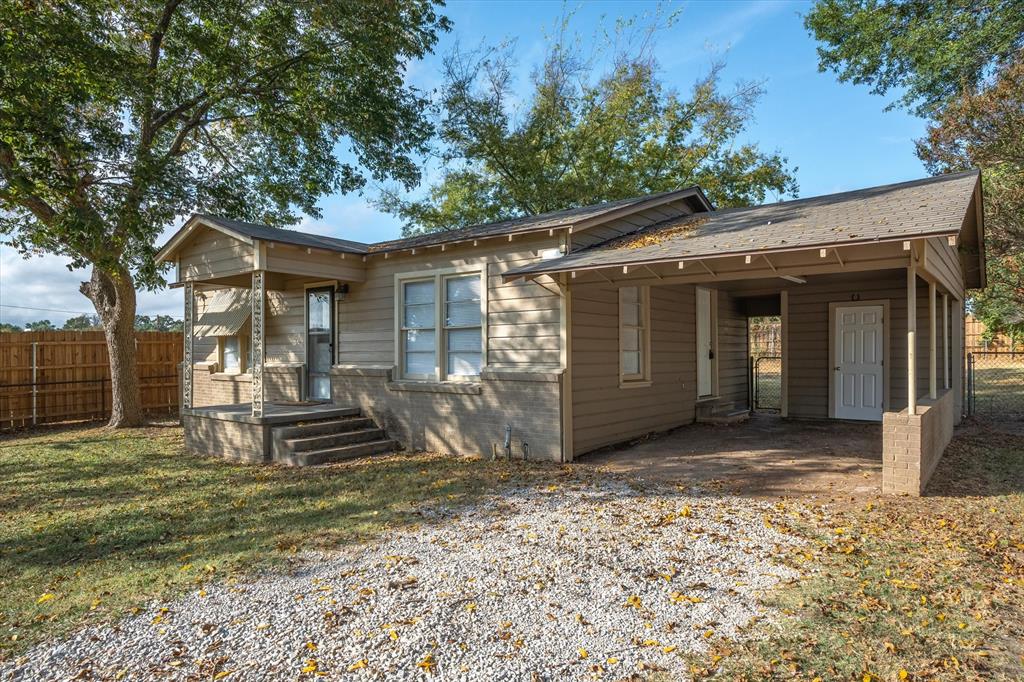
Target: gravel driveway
[{"x": 564, "y": 582}]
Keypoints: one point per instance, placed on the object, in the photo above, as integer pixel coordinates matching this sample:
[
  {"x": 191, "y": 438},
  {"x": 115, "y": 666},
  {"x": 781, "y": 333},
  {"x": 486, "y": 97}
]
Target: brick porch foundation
[{"x": 912, "y": 445}]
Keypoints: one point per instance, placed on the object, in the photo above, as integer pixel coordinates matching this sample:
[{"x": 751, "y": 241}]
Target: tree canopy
[
  {"x": 584, "y": 136},
  {"x": 116, "y": 118},
  {"x": 929, "y": 49},
  {"x": 961, "y": 65}
]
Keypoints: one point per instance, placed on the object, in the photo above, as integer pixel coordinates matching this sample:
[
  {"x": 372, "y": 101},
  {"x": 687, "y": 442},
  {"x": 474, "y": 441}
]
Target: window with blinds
[{"x": 445, "y": 343}]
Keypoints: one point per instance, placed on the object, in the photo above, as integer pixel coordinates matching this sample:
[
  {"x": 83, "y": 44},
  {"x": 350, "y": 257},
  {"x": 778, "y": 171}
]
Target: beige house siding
[
  {"x": 732, "y": 355},
  {"x": 285, "y": 324},
  {"x": 211, "y": 253},
  {"x": 943, "y": 261},
  {"x": 522, "y": 317},
  {"x": 309, "y": 262},
  {"x": 605, "y": 413}
]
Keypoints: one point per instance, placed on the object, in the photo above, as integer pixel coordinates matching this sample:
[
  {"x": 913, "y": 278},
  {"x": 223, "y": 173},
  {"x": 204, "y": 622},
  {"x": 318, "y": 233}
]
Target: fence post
[
  {"x": 970, "y": 384},
  {"x": 35, "y": 389}
]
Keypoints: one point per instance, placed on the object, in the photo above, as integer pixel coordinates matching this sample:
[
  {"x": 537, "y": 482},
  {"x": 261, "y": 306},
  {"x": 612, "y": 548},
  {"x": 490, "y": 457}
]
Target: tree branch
[{"x": 25, "y": 196}]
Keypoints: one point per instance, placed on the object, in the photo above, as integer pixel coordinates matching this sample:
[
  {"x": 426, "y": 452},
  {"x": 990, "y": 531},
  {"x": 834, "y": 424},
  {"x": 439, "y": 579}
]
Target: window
[
  {"x": 232, "y": 357},
  {"x": 446, "y": 343},
  {"x": 463, "y": 346},
  {"x": 633, "y": 333},
  {"x": 418, "y": 331}
]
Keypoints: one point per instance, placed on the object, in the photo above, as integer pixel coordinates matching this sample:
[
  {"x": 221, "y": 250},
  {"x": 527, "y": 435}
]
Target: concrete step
[
  {"x": 735, "y": 416},
  {"x": 352, "y": 422},
  {"x": 332, "y": 440},
  {"x": 339, "y": 454}
]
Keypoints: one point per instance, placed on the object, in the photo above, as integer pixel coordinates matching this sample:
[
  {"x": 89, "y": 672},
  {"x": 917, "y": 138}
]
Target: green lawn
[
  {"x": 93, "y": 524},
  {"x": 893, "y": 588}
]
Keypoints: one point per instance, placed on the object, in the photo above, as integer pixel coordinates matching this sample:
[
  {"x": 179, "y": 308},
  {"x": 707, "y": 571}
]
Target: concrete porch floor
[{"x": 765, "y": 457}]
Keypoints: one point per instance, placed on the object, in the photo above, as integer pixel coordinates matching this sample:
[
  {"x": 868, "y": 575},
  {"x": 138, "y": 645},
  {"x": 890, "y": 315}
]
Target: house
[{"x": 551, "y": 336}]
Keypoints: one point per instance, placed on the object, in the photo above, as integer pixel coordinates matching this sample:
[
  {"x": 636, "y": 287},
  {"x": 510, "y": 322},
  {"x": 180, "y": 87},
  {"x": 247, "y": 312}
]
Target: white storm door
[
  {"x": 859, "y": 336},
  {"x": 704, "y": 348}
]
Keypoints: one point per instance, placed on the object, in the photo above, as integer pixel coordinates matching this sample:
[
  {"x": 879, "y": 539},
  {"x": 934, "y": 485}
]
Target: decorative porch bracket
[
  {"x": 258, "y": 296},
  {"x": 186, "y": 380}
]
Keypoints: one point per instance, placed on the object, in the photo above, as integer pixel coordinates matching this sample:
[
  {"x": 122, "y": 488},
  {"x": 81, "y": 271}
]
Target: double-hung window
[
  {"x": 634, "y": 320},
  {"x": 441, "y": 332},
  {"x": 419, "y": 332}
]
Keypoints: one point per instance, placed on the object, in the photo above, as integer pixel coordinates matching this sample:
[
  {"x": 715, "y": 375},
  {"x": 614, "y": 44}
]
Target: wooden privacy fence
[{"x": 56, "y": 376}]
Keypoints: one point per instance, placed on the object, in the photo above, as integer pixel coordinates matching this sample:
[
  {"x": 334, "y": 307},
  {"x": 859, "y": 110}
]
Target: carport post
[
  {"x": 912, "y": 336},
  {"x": 933, "y": 366},
  {"x": 186, "y": 371},
  {"x": 258, "y": 294}
]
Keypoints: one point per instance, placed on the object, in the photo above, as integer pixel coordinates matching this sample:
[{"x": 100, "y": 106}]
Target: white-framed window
[
  {"x": 634, "y": 334},
  {"x": 419, "y": 330},
  {"x": 440, "y": 325},
  {"x": 233, "y": 355}
]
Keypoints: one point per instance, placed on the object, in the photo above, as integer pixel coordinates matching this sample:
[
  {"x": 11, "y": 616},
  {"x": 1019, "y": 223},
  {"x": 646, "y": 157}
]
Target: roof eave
[
  {"x": 185, "y": 232},
  {"x": 513, "y": 275}
]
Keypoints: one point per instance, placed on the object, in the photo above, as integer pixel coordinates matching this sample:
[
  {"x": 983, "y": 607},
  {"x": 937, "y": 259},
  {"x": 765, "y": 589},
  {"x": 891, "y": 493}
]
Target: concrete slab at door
[{"x": 859, "y": 369}]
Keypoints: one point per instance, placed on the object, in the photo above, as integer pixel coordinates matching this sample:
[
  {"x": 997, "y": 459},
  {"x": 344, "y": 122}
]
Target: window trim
[
  {"x": 438, "y": 277},
  {"x": 243, "y": 354},
  {"x": 643, "y": 378}
]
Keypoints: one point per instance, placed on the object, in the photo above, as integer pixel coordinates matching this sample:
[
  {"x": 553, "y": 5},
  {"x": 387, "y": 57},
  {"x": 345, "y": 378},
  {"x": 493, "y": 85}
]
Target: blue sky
[{"x": 839, "y": 136}]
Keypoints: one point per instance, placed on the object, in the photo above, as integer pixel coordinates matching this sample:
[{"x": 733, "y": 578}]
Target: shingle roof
[
  {"x": 542, "y": 221},
  {"x": 934, "y": 205},
  {"x": 276, "y": 234}
]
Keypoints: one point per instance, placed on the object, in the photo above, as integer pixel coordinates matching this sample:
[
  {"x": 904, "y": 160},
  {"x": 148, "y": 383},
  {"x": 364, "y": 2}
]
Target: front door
[
  {"x": 859, "y": 336},
  {"x": 319, "y": 342},
  {"x": 705, "y": 348}
]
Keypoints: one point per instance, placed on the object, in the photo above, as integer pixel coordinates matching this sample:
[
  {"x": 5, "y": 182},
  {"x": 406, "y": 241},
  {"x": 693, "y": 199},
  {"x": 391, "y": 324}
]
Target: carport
[{"x": 765, "y": 457}]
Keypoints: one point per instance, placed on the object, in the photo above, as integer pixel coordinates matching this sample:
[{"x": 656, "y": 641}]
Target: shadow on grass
[{"x": 984, "y": 459}]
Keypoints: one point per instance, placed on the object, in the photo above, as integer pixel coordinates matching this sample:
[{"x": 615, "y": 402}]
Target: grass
[
  {"x": 94, "y": 524},
  {"x": 902, "y": 588}
]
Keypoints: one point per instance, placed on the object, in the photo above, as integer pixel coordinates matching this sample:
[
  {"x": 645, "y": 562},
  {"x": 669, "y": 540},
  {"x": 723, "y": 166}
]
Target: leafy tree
[
  {"x": 159, "y": 323},
  {"x": 82, "y": 323},
  {"x": 961, "y": 63},
  {"x": 40, "y": 326},
  {"x": 930, "y": 49},
  {"x": 583, "y": 137},
  {"x": 8, "y": 327},
  {"x": 118, "y": 117}
]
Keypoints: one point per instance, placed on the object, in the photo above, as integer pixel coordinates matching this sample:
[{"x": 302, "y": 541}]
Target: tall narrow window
[
  {"x": 418, "y": 330},
  {"x": 633, "y": 333},
  {"x": 462, "y": 322}
]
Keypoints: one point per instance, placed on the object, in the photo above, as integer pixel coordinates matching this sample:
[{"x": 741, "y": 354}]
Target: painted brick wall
[
  {"x": 912, "y": 445},
  {"x": 460, "y": 419}
]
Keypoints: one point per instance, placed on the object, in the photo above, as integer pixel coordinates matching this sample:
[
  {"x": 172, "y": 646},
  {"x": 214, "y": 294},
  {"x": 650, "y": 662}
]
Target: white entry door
[
  {"x": 705, "y": 350},
  {"x": 859, "y": 343}
]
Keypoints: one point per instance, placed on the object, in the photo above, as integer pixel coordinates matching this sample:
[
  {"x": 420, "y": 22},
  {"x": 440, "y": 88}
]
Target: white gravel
[{"x": 561, "y": 583}]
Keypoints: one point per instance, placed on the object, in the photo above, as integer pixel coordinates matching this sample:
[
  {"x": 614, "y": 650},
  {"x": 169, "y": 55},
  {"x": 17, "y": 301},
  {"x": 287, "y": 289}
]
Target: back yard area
[{"x": 120, "y": 555}]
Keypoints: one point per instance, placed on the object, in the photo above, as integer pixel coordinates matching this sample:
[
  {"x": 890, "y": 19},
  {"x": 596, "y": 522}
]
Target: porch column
[
  {"x": 933, "y": 356},
  {"x": 258, "y": 294},
  {"x": 945, "y": 341},
  {"x": 912, "y": 337},
  {"x": 186, "y": 371}
]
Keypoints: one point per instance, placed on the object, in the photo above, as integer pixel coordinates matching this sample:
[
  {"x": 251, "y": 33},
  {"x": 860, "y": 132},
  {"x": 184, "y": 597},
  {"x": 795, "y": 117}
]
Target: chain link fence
[
  {"x": 995, "y": 384},
  {"x": 766, "y": 380}
]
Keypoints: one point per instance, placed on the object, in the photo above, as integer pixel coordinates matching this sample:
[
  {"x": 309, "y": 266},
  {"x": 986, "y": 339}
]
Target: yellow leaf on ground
[
  {"x": 311, "y": 646},
  {"x": 358, "y": 665},
  {"x": 45, "y": 598},
  {"x": 584, "y": 653},
  {"x": 428, "y": 664},
  {"x": 633, "y": 601},
  {"x": 612, "y": 661},
  {"x": 310, "y": 667},
  {"x": 903, "y": 674}
]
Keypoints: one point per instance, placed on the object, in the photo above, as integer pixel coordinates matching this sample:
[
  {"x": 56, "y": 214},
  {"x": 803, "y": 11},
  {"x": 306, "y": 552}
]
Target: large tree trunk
[{"x": 113, "y": 295}]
